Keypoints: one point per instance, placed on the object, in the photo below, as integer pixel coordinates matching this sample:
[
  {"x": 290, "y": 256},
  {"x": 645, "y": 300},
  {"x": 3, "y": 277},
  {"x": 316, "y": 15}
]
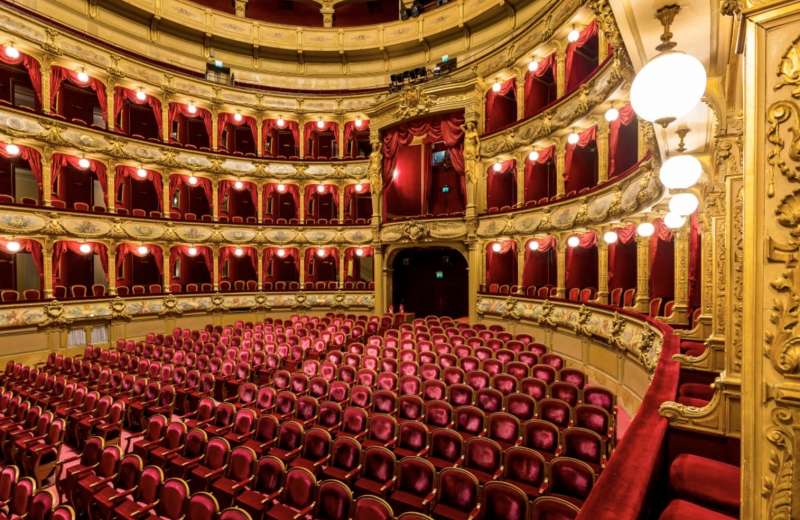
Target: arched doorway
[{"x": 430, "y": 281}]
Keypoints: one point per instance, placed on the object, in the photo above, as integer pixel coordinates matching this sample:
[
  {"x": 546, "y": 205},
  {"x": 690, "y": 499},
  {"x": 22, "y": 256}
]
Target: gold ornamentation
[{"x": 413, "y": 102}]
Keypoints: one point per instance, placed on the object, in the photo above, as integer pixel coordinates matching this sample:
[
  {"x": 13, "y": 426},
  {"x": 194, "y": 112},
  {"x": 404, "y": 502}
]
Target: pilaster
[
  {"x": 602, "y": 151},
  {"x": 112, "y": 268},
  {"x": 47, "y": 267},
  {"x": 166, "y": 196},
  {"x": 260, "y": 267},
  {"x": 561, "y": 159},
  {"x": 215, "y": 264},
  {"x": 561, "y": 73},
  {"x": 47, "y": 176},
  {"x": 377, "y": 269},
  {"x": 602, "y": 271},
  {"x": 680, "y": 310},
  {"x": 111, "y": 196},
  {"x": 215, "y": 199},
  {"x": 561, "y": 269},
  {"x": 167, "y": 269},
  {"x": 642, "y": 273}
]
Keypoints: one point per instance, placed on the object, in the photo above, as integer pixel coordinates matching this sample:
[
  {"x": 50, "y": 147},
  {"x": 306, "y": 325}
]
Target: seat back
[
  {"x": 299, "y": 489},
  {"x": 458, "y": 489},
  {"x": 504, "y": 500}
]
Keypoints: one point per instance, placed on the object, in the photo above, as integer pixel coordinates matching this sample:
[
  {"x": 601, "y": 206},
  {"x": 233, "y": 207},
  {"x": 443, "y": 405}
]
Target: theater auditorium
[{"x": 399, "y": 259}]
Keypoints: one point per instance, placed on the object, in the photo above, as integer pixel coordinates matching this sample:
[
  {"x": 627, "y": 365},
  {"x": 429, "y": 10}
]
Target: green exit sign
[{"x": 440, "y": 275}]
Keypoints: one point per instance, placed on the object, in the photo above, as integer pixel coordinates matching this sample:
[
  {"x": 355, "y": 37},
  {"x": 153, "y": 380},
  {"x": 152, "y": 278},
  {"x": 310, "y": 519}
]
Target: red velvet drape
[
  {"x": 32, "y": 157},
  {"x": 350, "y": 198},
  {"x": 33, "y": 68},
  {"x": 580, "y": 170},
  {"x": 125, "y": 249},
  {"x": 621, "y": 149},
  {"x": 286, "y": 268},
  {"x": 310, "y": 131},
  {"x": 225, "y": 189},
  {"x": 312, "y": 200},
  {"x": 61, "y": 161},
  {"x": 225, "y": 119},
  {"x": 58, "y": 75},
  {"x": 534, "y": 91},
  {"x": 63, "y": 246},
  {"x": 349, "y": 130},
  {"x": 501, "y": 110},
  {"x": 540, "y": 181},
  {"x": 622, "y": 259},
  {"x": 501, "y": 187},
  {"x": 179, "y": 108},
  {"x": 177, "y": 182},
  {"x": 662, "y": 262},
  {"x": 228, "y": 252},
  {"x": 271, "y": 124},
  {"x": 35, "y": 249},
  {"x": 122, "y": 94},
  {"x": 501, "y": 266},
  {"x": 271, "y": 190},
  {"x": 315, "y": 268},
  {"x": 183, "y": 252},
  {"x": 352, "y": 262},
  {"x": 581, "y": 263},
  {"x": 403, "y": 195},
  {"x": 577, "y": 69},
  {"x": 129, "y": 172},
  {"x": 541, "y": 265}
]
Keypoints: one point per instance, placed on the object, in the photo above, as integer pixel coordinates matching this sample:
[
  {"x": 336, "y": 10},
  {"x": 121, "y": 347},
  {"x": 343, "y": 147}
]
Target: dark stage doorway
[{"x": 430, "y": 281}]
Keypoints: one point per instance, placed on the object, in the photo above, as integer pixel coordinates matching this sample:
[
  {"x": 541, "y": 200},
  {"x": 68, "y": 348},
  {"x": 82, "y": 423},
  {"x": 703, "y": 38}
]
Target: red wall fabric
[
  {"x": 352, "y": 262},
  {"x": 350, "y": 196},
  {"x": 311, "y": 132},
  {"x": 313, "y": 198},
  {"x": 577, "y": 67},
  {"x": 58, "y": 75},
  {"x": 125, "y": 249},
  {"x": 33, "y": 68},
  {"x": 182, "y": 252},
  {"x": 271, "y": 192},
  {"x": 122, "y": 94},
  {"x": 580, "y": 163},
  {"x": 226, "y": 202},
  {"x": 501, "y": 267},
  {"x": 177, "y": 183},
  {"x": 501, "y": 187},
  {"x": 501, "y": 107},
  {"x": 581, "y": 263},
  {"x": 349, "y": 130},
  {"x": 662, "y": 262},
  {"x": 537, "y": 93},
  {"x": 227, "y": 255}
]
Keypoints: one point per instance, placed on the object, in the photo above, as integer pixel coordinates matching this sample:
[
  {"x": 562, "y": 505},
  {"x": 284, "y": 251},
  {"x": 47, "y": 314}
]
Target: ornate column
[
  {"x": 521, "y": 157},
  {"x": 302, "y": 261},
  {"x": 602, "y": 271},
  {"x": 166, "y": 196},
  {"x": 475, "y": 270},
  {"x": 377, "y": 269},
  {"x": 110, "y": 87},
  {"x": 165, "y": 118},
  {"x": 241, "y": 8},
  {"x": 260, "y": 267},
  {"x": 643, "y": 134},
  {"x": 561, "y": 269},
  {"x": 520, "y": 262},
  {"x": 47, "y": 267},
  {"x": 561, "y": 158},
  {"x": 47, "y": 176},
  {"x": 301, "y": 197},
  {"x": 259, "y": 202},
  {"x": 215, "y": 265},
  {"x": 340, "y": 251},
  {"x": 259, "y": 130},
  {"x": 680, "y": 312},
  {"x": 602, "y": 151},
  {"x": 481, "y": 202},
  {"x": 340, "y": 144},
  {"x": 602, "y": 44},
  {"x": 340, "y": 203},
  {"x": 301, "y": 146},
  {"x": 561, "y": 73},
  {"x": 214, "y": 128},
  {"x": 519, "y": 90},
  {"x": 112, "y": 268},
  {"x": 46, "y": 64},
  {"x": 111, "y": 176},
  {"x": 376, "y": 180},
  {"x": 215, "y": 199},
  {"x": 472, "y": 163},
  {"x": 166, "y": 268},
  {"x": 327, "y": 13},
  {"x": 642, "y": 273}
]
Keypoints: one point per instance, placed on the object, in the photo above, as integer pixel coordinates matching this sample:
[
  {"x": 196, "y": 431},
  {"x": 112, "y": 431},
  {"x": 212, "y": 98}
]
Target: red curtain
[
  {"x": 581, "y": 263},
  {"x": 226, "y": 119},
  {"x": 662, "y": 262},
  {"x": 35, "y": 249},
  {"x": 60, "y": 249},
  {"x": 501, "y": 187},
  {"x": 61, "y": 161},
  {"x": 501, "y": 266},
  {"x": 183, "y": 251},
  {"x": 32, "y": 157},
  {"x": 180, "y": 108},
  {"x": 500, "y": 111},
  {"x": 310, "y": 130},
  {"x": 352, "y": 262},
  {"x": 59, "y": 74},
  {"x": 33, "y": 68},
  {"x": 291, "y": 189},
  {"x": 539, "y": 175},
  {"x": 274, "y": 265},
  {"x": 541, "y": 265},
  {"x": 578, "y": 174},
  {"x": 626, "y": 117},
  {"x": 312, "y": 259},
  {"x": 226, "y": 187},
  {"x": 125, "y": 249},
  {"x": 576, "y": 70},
  {"x": 227, "y": 252},
  {"x": 350, "y": 129},
  {"x": 695, "y": 266},
  {"x": 129, "y": 172},
  {"x": 312, "y": 197},
  {"x": 532, "y": 90},
  {"x": 349, "y": 197},
  {"x": 622, "y": 259},
  {"x": 122, "y": 94},
  {"x": 270, "y": 124}
]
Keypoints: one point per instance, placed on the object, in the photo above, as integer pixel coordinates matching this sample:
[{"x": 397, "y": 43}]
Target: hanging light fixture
[
  {"x": 359, "y": 122},
  {"x": 238, "y": 252},
  {"x": 574, "y": 35},
  {"x": 672, "y": 83},
  {"x": 281, "y": 253},
  {"x": 573, "y": 241},
  {"x": 191, "y": 108},
  {"x": 673, "y": 220},
  {"x": 497, "y": 247},
  {"x": 359, "y": 188},
  {"x": 359, "y": 252},
  {"x": 82, "y": 76},
  {"x": 238, "y": 185},
  {"x": 320, "y": 252},
  {"x": 140, "y": 94},
  {"x": 141, "y": 172},
  {"x": 533, "y": 65},
  {"x": 683, "y": 203},
  {"x": 612, "y": 114},
  {"x": 534, "y": 155},
  {"x": 645, "y": 229},
  {"x": 320, "y": 188},
  {"x": 192, "y": 180},
  {"x": 84, "y": 163},
  {"x": 281, "y": 188},
  {"x": 573, "y": 138},
  {"x": 12, "y": 149},
  {"x": 192, "y": 251},
  {"x": 497, "y": 166},
  {"x": 533, "y": 245},
  {"x": 320, "y": 123},
  {"x": 680, "y": 172},
  {"x": 610, "y": 237},
  {"x": 496, "y": 86},
  {"x": 142, "y": 250},
  {"x": 12, "y": 246},
  {"x": 11, "y": 51},
  {"x": 280, "y": 122},
  {"x": 85, "y": 248},
  {"x": 237, "y": 116}
]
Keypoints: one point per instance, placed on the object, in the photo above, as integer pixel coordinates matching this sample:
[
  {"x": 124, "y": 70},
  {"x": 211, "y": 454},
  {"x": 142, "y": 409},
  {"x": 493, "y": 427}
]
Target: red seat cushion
[
  {"x": 683, "y": 510},
  {"x": 706, "y": 481}
]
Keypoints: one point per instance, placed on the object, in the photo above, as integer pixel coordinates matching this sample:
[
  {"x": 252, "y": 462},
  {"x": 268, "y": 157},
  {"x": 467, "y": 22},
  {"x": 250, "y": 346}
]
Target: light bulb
[
  {"x": 320, "y": 252},
  {"x": 359, "y": 122},
  {"x": 395, "y": 174},
  {"x": 610, "y": 237},
  {"x": 497, "y": 167},
  {"x": 84, "y": 163},
  {"x": 683, "y": 204},
  {"x": 280, "y": 122},
  {"x": 533, "y": 245},
  {"x": 496, "y": 86},
  {"x": 11, "y": 51},
  {"x": 238, "y": 252},
  {"x": 680, "y": 172},
  {"x": 573, "y": 138},
  {"x": 141, "y": 173},
  {"x": 281, "y": 253},
  {"x": 359, "y": 188},
  {"x": 13, "y": 246},
  {"x": 497, "y": 247},
  {"x": 238, "y": 185},
  {"x": 534, "y": 155},
  {"x": 191, "y": 108},
  {"x": 668, "y": 87},
  {"x": 281, "y": 188},
  {"x": 533, "y": 65},
  {"x": 573, "y": 36},
  {"x": 612, "y": 114},
  {"x": 645, "y": 229},
  {"x": 320, "y": 188},
  {"x": 320, "y": 124},
  {"x": 192, "y": 251},
  {"x": 12, "y": 149},
  {"x": 673, "y": 220},
  {"x": 85, "y": 249},
  {"x": 140, "y": 95},
  {"x": 192, "y": 180},
  {"x": 82, "y": 76},
  {"x": 359, "y": 252},
  {"x": 237, "y": 117},
  {"x": 573, "y": 241},
  {"x": 142, "y": 250}
]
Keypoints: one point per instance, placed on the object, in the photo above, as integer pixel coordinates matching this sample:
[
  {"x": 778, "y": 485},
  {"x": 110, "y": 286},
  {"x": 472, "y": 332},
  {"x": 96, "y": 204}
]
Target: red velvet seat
[
  {"x": 106, "y": 469},
  {"x": 171, "y": 442},
  {"x": 470, "y": 421},
  {"x": 377, "y": 476},
  {"x": 484, "y": 458},
  {"x": 543, "y": 437},
  {"x": 554, "y": 508},
  {"x": 369, "y": 507},
  {"x": 84, "y": 463},
  {"x": 243, "y": 426},
  {"x": 571, "y": 479},
  {"x": 706, "y": 481},
  {"x": 190, "y": 455},
  {"x": 297, "y": 498},
  {"x": 289, "y": 441},
  {"x": 410, "y": 408},
  {"x": 381, "y": 431},
  {"x": 202, "y": 506},
  {"x": 457, "y": 495},
  {"x": 503, "y": 500},
  {"x": 415, "y": 487},
  {"x": 334, "y": 501},
  {"x": 601, "y": 397},
  {"x": 240, "y": 471},
  {"x": 345, "y": 460},
  {"x": 316, "y": 450},
  {"x": 503, "y": 428},
  {"x": 21, "y": 497},
  {"x": 354, "y": 423},
  {"x": 567, "y": 392},
  {"x": 212, "y": 466},
  {"x": 596, "y": 419},
  {"x": 555, "y": 411},
  {"x": 681, "y": 510},
  {"x": 106, "y": 495},
  {"x": 585, "y": 445},
  {"x": 257, "y": 497}
]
